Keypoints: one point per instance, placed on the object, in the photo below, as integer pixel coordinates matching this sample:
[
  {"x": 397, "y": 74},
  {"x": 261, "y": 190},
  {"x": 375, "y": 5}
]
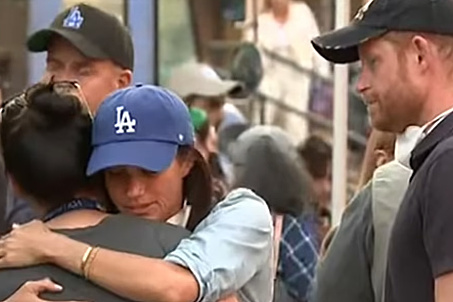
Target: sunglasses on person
[{"x": 59, "y": 87}]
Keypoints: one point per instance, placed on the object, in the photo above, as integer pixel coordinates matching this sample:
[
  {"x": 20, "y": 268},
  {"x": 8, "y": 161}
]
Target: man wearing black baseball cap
[
  {"x": 406, "y": 51},
  {"x": 88, "y": 45}
]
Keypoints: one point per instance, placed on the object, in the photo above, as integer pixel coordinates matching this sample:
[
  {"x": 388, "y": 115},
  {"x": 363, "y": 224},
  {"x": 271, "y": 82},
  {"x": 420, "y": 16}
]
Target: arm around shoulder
[{"x": 237, "y": 232}]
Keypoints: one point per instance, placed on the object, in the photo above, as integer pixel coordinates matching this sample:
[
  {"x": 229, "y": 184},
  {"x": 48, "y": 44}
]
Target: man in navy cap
[{"x": 406, "y": 51}]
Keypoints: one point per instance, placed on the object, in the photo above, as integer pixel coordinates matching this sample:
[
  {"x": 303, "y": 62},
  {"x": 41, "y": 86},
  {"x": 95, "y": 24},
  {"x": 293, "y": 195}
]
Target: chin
[{"x": 387, "y": 126}]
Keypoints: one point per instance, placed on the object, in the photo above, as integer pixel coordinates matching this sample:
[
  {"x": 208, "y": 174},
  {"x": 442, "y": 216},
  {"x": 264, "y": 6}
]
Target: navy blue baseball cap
[
  {"x": 378, "y": 17},
  {"x": 141, "y": 126}
]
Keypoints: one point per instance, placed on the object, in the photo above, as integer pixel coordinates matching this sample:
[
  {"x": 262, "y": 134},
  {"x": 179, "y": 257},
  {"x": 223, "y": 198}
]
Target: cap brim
[
  {"x": 149, "y": 155},
  {"x": 212, "y": 89},
  {"x": 40, "y": 40},
  {"x": 341, "y": 46}
]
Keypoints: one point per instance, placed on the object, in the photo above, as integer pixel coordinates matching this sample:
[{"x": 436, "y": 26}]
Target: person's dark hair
[
  {"x": 46, "y": 143},
  {"x": 213, "y": 160},
  {"x": 229, "y": 134},
  {"x": 317, "y": 154},
  {"x": 281, "y": 180},
  {"x": 197, "y": 187}
]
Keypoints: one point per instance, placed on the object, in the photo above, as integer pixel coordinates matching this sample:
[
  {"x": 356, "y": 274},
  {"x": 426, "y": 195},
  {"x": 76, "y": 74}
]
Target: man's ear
[
  {"x": 381, "y": 157},
  {"x": 125, "y": 78}
]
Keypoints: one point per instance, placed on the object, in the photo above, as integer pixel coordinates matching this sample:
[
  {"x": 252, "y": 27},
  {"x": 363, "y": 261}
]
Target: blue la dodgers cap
[{"x": 141, "y": 126}]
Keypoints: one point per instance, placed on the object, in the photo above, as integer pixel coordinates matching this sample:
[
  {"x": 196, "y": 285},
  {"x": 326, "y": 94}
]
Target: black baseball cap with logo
[
  {"x": 95, "y": 33},
  {"x": 378, "y": 17}
]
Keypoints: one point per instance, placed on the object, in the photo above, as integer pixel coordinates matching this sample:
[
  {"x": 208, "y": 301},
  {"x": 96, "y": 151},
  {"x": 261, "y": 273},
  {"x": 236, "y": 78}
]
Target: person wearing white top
[{"x": 286, "y": 28}]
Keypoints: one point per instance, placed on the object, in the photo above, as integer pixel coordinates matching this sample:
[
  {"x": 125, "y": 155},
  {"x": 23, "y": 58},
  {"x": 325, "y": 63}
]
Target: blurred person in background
[
  {"x": 227, "y": 137},
  {"x": 206, "y": 142},
  {"x": 87, "y": 45},
  {"x": 267, "y": 162},
  {"x": 285, "y": 27},
  {"x": 317, "y": 155},
  {"x": 352, "y": 266},
  {"x": 200, "y": 86}
]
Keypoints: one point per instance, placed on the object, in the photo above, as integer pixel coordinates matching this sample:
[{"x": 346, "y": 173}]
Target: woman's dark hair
[
  {"x": 279, "y": 178},
  {"x": 197, "y": 187},
  {"x": 46, "y": 141},
  {"x": 202, "y": 133},
  {"x": 317, "y": 155}
]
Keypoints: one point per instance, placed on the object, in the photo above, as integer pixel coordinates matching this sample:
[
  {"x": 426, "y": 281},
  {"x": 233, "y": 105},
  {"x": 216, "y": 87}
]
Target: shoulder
[
  {"x": 242, "y": 199},
  {"x": 242, "y": 205},
  {"x": 445, "y": 147},
  {"x": 360, "y": 205},
  {"x": 439, "y": 164},
  {"x": 138, "y": 235}
]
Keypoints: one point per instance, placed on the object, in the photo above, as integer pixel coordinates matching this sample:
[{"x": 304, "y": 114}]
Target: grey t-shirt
[
  {"x": 118, "y": 232},
  {"x": 344, "y": 274}
]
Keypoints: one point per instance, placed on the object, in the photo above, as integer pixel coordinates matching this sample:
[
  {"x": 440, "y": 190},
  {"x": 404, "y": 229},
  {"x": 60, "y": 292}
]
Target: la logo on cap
[
  {"x": 363, "y": 10},
  {"x": 74, "y": 18},
  {"x": 124, "y": 120}
]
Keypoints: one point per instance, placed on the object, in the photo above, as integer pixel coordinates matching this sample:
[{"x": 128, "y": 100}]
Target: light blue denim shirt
[{"x": 230, "y": 251}]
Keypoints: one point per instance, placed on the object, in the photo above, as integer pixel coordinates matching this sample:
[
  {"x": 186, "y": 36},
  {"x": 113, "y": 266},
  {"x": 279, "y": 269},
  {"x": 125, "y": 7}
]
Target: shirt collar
[{"x": 406, "y": 141}]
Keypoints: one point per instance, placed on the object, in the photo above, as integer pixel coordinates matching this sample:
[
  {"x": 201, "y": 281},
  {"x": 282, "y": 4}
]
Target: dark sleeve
[
  {"x": 437, "y": 208},
  {"x": 344, "y": 272}
]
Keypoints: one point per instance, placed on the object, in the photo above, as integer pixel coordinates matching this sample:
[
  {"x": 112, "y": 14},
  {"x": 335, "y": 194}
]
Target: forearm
[{"x": 134, "y": 277}]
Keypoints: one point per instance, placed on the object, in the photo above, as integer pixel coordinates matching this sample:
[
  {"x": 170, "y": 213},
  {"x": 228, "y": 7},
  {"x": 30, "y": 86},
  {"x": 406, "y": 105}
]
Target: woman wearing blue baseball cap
[{"x": 144, "y": 146}]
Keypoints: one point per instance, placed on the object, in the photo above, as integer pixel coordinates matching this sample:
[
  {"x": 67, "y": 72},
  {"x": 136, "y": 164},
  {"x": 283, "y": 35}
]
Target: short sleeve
[{"x": 437, "y": 208}]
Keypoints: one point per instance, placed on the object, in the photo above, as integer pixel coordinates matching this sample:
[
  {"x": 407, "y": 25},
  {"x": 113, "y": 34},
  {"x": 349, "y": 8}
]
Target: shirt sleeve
[
  {"x": 229, "y": 246},
  {"x": 437, "y": 205}
]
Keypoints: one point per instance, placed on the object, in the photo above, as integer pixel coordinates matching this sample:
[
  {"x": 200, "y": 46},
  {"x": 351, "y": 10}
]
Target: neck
[
  {"x": 280, "y": 12},
  {"x": 78, "y": 218},
  {"x": 438, "y": 101}
]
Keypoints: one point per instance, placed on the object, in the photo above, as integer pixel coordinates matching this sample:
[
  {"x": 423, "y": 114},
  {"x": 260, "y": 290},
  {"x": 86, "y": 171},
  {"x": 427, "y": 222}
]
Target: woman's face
[{"x": 155, "y": 196}]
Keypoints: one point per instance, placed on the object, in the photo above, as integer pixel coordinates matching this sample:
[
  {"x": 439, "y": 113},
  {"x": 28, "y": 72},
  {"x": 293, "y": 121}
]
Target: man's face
[
  {"x": 97, "y": 78},
  {"x": 155, "y": 196},
  {"x": 386, "y": 83}
]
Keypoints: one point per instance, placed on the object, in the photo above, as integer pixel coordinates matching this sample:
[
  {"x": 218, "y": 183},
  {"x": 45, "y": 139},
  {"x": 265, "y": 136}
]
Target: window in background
[
  {"x": 116, "y": 7},
  {"x": 176, "y": 43}
]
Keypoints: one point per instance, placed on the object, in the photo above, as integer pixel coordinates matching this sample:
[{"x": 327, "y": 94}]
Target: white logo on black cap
[
  {"x": 74, "y": 18},
  {"x": 363, "y": 10},
  {"x": 123, "y": 119}
]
